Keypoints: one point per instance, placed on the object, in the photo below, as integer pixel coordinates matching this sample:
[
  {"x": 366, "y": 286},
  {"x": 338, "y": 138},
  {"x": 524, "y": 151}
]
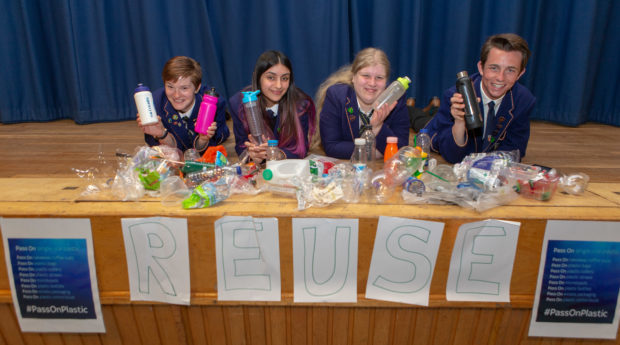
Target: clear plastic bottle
[
  {"x": 206, "y": 113},
  {"x": 359, "y": 158},
  {"x": 253, "y": 115},
  {"x": 423, "y": 140},
  {"x": 273, "y": 152},
  {"x": 371, "y": 146},
  {"x": 145, "y": 105},
  {"x": 391, "y": 148},
  {"x": 464, "y": 86},
  {"x": 207, "y": 194},
  {"x": 393, "y": 92}
]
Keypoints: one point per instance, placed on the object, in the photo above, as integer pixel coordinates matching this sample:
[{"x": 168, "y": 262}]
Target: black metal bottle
[{"x": 464, "y": 86}]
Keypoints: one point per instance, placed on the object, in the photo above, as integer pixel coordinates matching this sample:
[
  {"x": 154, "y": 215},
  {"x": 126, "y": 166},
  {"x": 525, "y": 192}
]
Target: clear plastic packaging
[
  {"x": 254, "y": 115},
  {"x": 574, "y": 184},
  {"x": 320, "y": 165}
]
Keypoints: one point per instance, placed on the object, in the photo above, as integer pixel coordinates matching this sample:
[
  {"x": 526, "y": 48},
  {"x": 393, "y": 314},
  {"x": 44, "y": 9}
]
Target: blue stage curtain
[{"x": 82, "y": 59}]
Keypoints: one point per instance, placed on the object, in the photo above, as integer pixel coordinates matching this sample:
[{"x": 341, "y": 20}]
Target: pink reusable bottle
[{"x": 206, "y": 113}]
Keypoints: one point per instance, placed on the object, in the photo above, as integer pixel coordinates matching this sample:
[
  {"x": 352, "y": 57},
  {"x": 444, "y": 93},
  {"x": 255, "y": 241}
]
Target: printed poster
[
  {"x": 578, "y": 281},
  {"x": 52, "y": 274}
]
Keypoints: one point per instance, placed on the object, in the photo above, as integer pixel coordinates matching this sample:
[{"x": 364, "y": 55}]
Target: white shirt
[{"x": 485, "y": 103}]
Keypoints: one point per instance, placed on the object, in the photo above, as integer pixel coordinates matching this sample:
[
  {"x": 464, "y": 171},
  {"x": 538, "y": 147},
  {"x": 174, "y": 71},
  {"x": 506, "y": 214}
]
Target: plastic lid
[
  {"x": 424, "y": 130},
  {"x": 142, "y": 87},
  {"x": 272, "y": 143},
  {"x": 360, "y": 141},
  {"x": 404, "y": 81},
  {"x": 267, "y": 174},
  {"x": 212, "y": 93},
  {"x": 392, "y": 140},
  {"x": 461, "y": 74},
  {"x": 250, "y": 96}
]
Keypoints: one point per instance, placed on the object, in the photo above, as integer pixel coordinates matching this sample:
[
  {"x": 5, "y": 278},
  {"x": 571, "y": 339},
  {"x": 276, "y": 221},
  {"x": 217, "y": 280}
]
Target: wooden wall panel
[{"x": 296, "y": 325}]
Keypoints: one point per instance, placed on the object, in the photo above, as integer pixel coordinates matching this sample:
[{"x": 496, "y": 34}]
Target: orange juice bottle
[{"x": 391, "y": 148}]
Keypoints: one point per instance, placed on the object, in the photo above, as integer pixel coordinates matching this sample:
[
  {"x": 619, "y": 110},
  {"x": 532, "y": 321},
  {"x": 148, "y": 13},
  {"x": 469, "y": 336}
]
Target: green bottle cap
[
  {"x": 404, "y": 81},
  {"x": 267, "y": 174}
]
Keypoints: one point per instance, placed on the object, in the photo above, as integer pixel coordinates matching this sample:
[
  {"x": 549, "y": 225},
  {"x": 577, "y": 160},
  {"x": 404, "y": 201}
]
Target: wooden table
[{"x": 208, "y": 321}]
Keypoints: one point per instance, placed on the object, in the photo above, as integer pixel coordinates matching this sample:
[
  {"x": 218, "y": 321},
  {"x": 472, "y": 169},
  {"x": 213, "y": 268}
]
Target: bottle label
[{"x": 359, "y": 167}]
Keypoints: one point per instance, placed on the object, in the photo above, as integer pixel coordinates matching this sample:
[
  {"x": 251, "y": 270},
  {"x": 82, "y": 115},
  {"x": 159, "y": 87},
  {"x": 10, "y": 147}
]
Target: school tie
[{"x": 490, "y": 123}]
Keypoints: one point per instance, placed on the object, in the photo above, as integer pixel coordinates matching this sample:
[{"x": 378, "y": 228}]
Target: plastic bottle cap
[
  {"x": 461, "y": 74},
  {"x": 267, "y": 174},
  {"x": 142, "y": 87},
  {"x": 250, "y": 96},
  {"x": 424, "y": 130},
  {"x": 272, "y": 143},
  {"x": 404, "y": 81},
  {"x": 360, "y": 141},
  {"x": 212, "y": 92},
  {"x": 392, "y": 140}
]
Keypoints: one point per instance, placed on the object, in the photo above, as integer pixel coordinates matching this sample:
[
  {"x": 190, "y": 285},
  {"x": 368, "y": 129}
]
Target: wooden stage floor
[{"x": 52, "y": 149}]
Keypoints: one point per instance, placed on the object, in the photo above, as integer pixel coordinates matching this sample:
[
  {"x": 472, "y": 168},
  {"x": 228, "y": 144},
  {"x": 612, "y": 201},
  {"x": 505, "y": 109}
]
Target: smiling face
[
  {"x": 368, "y": 83},
  {"x": 500, "y": 72},
  {"x": 274, "y": 83},
  {"x": 181, "y": 93}
]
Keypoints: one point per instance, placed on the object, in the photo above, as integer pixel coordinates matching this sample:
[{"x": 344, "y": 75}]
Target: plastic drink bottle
[
  {"x": 464, "y": 86},
  {"x": 145, "y": 105},
  {"x": 391, "y": 148},
  {"x": 359, "y": 158},
  {"x": 423, "y": 140},
  {"x": 253, "y": 114},
  {"x": 206, "y": 113},
  {"x": 371, "y": 146},
  {"x": 393, "y": 92},
  {"x": 273, "y": 152}
]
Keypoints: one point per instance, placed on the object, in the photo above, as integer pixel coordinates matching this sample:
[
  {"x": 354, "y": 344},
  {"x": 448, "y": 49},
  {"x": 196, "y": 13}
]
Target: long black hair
[{"x": 294, "y": 103}]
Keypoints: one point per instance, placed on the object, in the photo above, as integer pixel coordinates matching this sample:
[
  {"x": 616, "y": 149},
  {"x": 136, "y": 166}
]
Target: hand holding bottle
[{"x": 379, "y": 115}]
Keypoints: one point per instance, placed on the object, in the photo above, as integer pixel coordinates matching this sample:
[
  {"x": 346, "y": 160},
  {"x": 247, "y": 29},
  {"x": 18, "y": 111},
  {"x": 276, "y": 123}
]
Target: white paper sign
[
  {"x": 248, "y": 259},
  {"x": 578, "y": 281},
  {"x": 157, "y": 259},
  {"x": 403, "y": 260},
  {"x": 482, "y": 261},
  {"x": 325, "y": 259},
  {"x": 52, "y": 274}
]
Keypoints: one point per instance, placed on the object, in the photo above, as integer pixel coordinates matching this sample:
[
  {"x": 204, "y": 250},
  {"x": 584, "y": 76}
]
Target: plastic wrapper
[
  {"x": 154, "y": 164},
  {"x": 499, "y": 158},
  {"x": 541, "y": 187},
  {"x": 574, "y": 184},
  {"x": 320, "y": 165},
  {"x": 98, "y": 177},
  {"x": 464, "y": 195},
  {"x": 352, "y": 181},
  {"x": 173, "y": 191},
  {"x": 318, "y": 192}
]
